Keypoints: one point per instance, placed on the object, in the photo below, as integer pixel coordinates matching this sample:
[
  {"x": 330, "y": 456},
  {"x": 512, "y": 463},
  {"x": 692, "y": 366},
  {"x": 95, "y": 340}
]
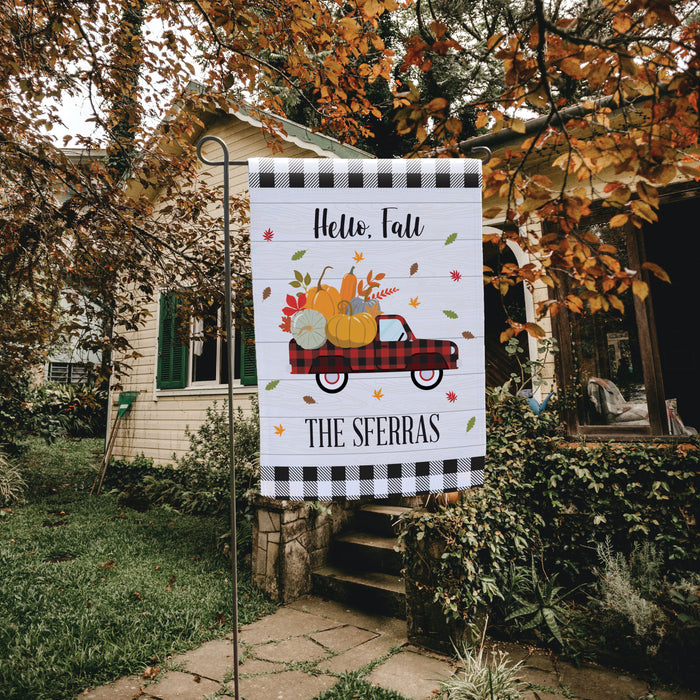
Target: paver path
[{"x": 299, "y": 651}]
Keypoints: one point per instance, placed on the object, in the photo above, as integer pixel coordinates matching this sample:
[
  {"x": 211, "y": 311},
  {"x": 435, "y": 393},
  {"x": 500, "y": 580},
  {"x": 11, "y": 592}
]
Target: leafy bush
[
  {"x": 12, "y": 485},
  {"x": 555, "y": 499},
  {"x": 72, "y": 410},
  {"x": 644, "y": 614},
  {"x": 15, "y": 392},
  {"x": 200, "y": 480},
  {"x": 480, "y": 678}
]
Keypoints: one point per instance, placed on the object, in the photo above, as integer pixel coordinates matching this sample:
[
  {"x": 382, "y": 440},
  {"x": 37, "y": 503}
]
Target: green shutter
[
  {"x": 246, "y": 361},
  {"x": 172, "y": 354},
  {"x": 248, "y": 368}
]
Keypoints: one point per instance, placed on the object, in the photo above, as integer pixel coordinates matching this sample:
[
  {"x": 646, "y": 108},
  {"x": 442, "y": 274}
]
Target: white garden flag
[{"x": 369, "y": 326}]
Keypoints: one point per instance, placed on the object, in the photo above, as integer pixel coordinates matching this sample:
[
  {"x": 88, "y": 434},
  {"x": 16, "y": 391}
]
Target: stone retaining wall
[{"x": 290, "y": 539}]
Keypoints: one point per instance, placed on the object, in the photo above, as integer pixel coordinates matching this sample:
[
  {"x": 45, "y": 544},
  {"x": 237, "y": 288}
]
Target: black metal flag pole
[{"x": 225, "y": 164}]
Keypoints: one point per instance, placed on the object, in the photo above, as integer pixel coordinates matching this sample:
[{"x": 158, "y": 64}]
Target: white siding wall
[{"x": 156, "y": 422}]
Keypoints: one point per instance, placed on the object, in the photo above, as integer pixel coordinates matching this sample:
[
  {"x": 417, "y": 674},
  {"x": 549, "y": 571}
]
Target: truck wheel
[
  {"x": 332, "y": 382},
  {"x": 426, "y": 378}
]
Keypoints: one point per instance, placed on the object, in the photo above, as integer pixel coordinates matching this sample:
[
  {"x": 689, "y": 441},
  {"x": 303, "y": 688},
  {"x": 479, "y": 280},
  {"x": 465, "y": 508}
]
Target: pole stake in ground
[{"x": 225, "y": 164}]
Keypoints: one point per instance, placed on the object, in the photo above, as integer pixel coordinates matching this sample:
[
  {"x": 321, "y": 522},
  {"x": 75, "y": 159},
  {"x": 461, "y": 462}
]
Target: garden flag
[{"x": 369, "y": 328}]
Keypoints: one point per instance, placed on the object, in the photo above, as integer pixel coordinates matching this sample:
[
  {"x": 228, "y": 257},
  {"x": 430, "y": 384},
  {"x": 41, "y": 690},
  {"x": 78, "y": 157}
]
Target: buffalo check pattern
[
  {"x": 363, "y": 173},
  {"x": 332, "y": 483}
]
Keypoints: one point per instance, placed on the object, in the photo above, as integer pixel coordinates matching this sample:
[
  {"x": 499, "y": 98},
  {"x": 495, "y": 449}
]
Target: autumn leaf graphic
[
  {"x": 309, "y": 399},
  {"x": 451, "y": 239},
  {"x": 455, "y": 275},
  {"x": 294, "y": 304},
  {"x": 414, "y": 302},
  {"x": 268, "y": 235},
  {"x": 271, "y": 385},
  {"x": 266, "y": 293},
  {"x": 286, "y": 324},
  {"x": 298, "y": 255},
  {"x": 450, "y": 314},
  {"x": 468, "y": 335},
  {"x": 414, "y": 269},
  {"x": 358, "y": 257},
  {"x": 377, "y": 394},
  {"x": 451, "y": 396},
  {"x": 471, "y": 423},
  {"x": 279, "y": 429}
]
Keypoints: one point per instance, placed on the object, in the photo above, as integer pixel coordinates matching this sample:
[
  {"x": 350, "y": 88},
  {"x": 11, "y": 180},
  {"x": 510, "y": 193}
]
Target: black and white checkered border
[
  {"x": 427, "y": 173},
  {"x": 328, "y": 483}
]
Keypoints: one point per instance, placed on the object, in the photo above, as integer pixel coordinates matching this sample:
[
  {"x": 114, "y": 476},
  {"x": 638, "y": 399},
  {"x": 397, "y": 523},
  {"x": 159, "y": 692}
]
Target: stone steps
[{"x": 364, "y": 567}]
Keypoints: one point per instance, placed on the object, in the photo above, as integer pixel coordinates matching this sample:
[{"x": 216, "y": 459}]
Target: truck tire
[
  {"x": 426, "y": 378},
  {"x": 332, "y": 382}
]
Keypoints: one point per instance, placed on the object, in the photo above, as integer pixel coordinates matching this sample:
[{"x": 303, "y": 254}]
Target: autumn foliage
[
  {"x": 82, "y": 237},
  {"x": 598, "y": 106}
]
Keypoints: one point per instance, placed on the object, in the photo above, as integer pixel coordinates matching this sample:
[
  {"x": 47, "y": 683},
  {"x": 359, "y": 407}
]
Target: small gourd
[
  {"x": 360, "y": 304},
  {"x": 351, "y": 330},
  {"x": 323, "y": 298},
  {"x": 308, "y": 328},
  {"x": 348, "y": 286}
]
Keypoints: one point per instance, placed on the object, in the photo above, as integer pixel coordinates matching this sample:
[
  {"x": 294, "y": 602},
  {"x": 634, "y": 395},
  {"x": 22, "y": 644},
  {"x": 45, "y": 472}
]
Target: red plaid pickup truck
[{"x": 395, "y": 349}]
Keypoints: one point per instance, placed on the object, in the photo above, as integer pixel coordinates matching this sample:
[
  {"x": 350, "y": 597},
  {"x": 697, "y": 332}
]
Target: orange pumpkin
[
  {"x": 351, "y": 330},
  {"x": 323, "y": 298}
]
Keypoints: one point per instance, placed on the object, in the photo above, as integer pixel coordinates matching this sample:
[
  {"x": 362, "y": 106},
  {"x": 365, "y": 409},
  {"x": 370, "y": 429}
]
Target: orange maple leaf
[
  {"x": 378, "y": 394},
  {"x": 279, "y": 429},
  {"x": 414, "y": 302},
  {"x": 358, "y": 257}
]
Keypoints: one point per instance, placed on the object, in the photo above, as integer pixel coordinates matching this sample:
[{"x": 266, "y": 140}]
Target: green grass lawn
[{"x": 91, "y": 591}]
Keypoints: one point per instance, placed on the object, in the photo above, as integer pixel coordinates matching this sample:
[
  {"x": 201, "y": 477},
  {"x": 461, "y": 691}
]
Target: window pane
[
  {"x": 204, "y": 351},
  {"x": 609, "y": 358}
]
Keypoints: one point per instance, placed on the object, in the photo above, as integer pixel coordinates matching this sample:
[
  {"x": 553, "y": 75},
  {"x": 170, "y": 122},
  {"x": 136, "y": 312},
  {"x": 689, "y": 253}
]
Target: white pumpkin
[{"x": 308, "y": 328}]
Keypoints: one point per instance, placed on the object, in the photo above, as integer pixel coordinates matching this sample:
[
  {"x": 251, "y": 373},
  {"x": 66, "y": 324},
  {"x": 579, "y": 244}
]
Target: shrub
[
  {"x": 554, "y": 499},
  {"x": 72, "y": 410},
  {"x": 647, "y": 615},
  {"x": 15, "y": 393},
  {"x": 12, "y": 485},
  {"x": 200, "y": 480},
  {"x": 480, "y": 678}
]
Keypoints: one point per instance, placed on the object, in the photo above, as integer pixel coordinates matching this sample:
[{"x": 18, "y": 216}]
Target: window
[
  {"x": 636, "y": 373},
  {"x": 202, "y": 361},
  {"x": 68, "y": 372}
]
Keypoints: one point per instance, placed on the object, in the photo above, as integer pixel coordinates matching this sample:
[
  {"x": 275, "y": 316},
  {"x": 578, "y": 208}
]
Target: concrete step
[
  {"x": 379, "y": 519},
  {"x": 372, "y": 591},
  {"x": 365, "y": 551}
]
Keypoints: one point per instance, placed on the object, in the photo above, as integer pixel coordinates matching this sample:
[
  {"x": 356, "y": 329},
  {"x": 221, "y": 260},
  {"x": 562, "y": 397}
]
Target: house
[
  {"x": 634, "y": 375},
  {"x": 176, "y": 382}
]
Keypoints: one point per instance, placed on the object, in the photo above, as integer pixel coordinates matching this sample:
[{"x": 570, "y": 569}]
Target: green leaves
[
  {"x": 298, "y": 255},
  {"x": 450, "y": 314},
  {"x": 451, "y": 239}
]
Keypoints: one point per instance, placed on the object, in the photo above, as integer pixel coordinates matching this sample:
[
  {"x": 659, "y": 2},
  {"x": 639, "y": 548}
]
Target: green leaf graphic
[
  {"x": 471, "y": 423},
  {"x": 271, "y": 385},
  {"x": 449, "y": 314},
  {"x": 298, "y": 255},
  {"x": 451, "y": 238}
]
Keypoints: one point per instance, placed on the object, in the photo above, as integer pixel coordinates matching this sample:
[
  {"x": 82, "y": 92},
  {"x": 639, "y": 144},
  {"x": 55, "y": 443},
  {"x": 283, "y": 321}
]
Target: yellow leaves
[
  {"x": 571, "y": 65},
  {"x": 414, "y": 302},
  {"x": 377, "y": 394},
  {"x": 643, "y": 210},
  {"x": 659, "y": 272},
  {"x": 482, "y": 120},
  {"x": 279, "y": 429},
  {"x": 640, "y": 289},
  {"x": 518, "y": 125},
  {"x": 619, "y": 220}
]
